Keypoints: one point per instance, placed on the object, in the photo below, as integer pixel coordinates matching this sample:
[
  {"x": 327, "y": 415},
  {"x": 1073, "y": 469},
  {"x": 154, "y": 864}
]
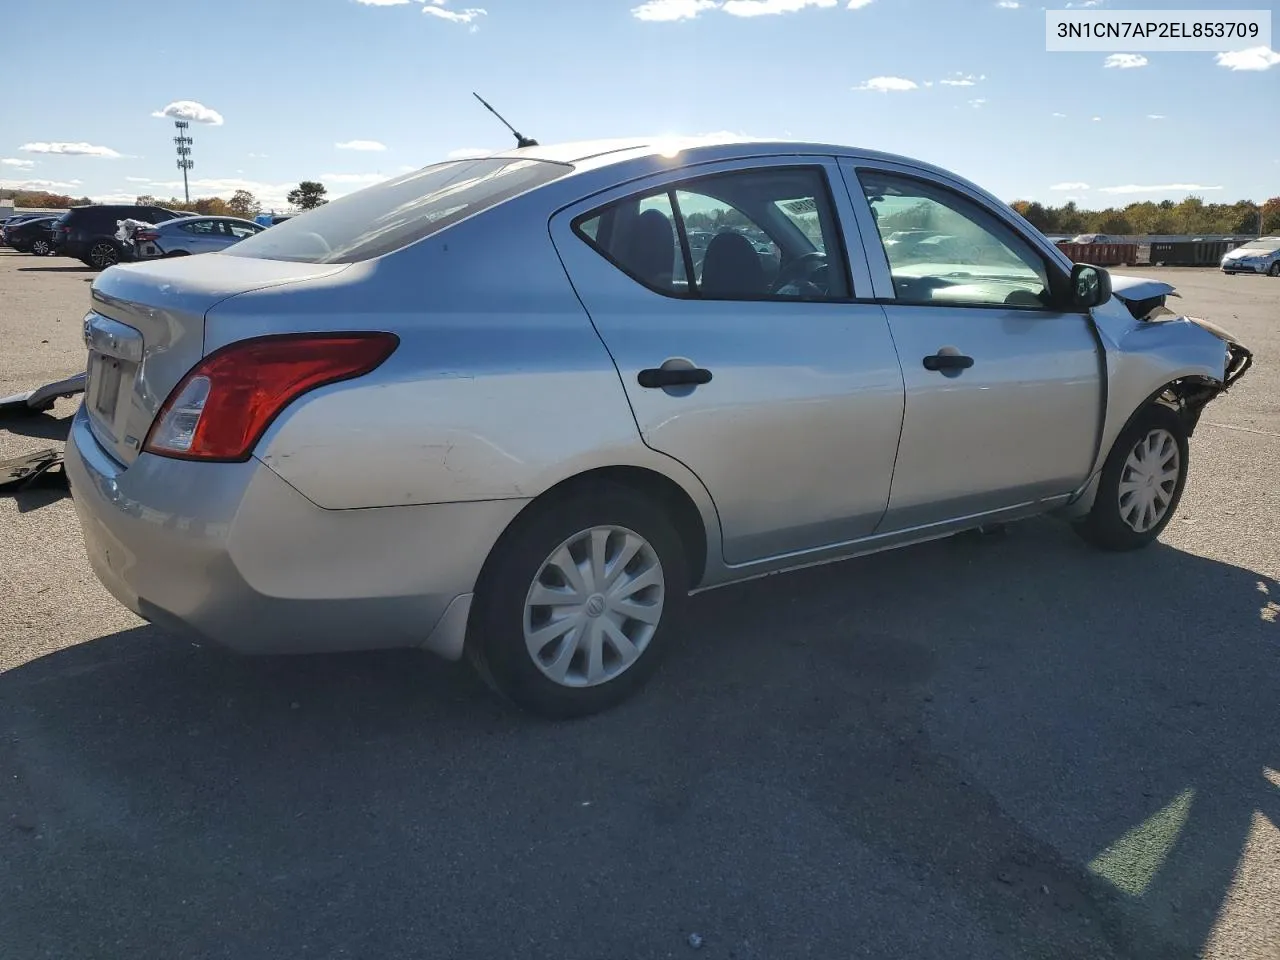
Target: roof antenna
[{"x": 521, "y": 140}]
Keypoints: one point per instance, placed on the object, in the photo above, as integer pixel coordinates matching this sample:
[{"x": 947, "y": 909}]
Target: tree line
[
  {"x": 306, "y": 196},
  {"x": 1190, "y": 217}
]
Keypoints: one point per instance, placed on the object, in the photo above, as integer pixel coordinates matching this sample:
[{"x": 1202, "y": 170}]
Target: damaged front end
[{"x": 1147, "y": 303}]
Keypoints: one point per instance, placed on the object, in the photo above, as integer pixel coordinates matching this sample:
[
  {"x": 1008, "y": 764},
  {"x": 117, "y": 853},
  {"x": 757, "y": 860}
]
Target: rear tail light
[
  {"x": 151, "y": 235},
  {"x": 221, "y": 408}
]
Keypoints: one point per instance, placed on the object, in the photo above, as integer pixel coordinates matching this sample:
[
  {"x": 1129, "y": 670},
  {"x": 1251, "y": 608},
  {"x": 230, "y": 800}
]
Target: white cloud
[
  {"x": 962, "y": 80},
  {"x": 192, "y": 111},
  {"x": 1059, "y": 115},
  {"x": 978, "y": 102},
  {"x": 437, "y": 9},
  {"x": 1157, "y": 188},
  {"x": 661, "y": 11},
  {"x": 1156, "y": 116},
  {"x": 70, "y": 149},
  {"x": 466, "y": 153},
  {"x": 137, "y": 179},
  {"x": 371, "y": 145},
  {"x": 1008, "y": 4},
  {"x": 1070, "y": 185},
  {"x": 15, "y": 162},
  {"x": 765, "y": 8},
  {"x": 39, "y": 184},
  {"x": 887, "y": 84},
  {"x": 857, "y": 4},
  {"x": 670, "y": 10},
  {"x": 1125, "y": 61},
  {"x": 1096, "y": 119},
  {"x": 115, "y": 197},
  {"x": 363, "y": 179},
  {"x": 381, "y": 3},
  {"x": 257, "y": 156},
  {"x": 1255, "y": 58}
]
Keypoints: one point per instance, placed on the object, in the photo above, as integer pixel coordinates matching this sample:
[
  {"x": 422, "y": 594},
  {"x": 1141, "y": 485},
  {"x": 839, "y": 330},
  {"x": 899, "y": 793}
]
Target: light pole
[{"x": 185, "y": 162}]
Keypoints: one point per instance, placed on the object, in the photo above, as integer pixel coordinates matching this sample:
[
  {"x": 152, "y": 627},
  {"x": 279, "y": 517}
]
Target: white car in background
[{"x": 1256, "y": 256}]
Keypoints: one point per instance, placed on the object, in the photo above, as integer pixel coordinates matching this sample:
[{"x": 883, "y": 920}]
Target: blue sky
[{"x": 963, "y": 83}]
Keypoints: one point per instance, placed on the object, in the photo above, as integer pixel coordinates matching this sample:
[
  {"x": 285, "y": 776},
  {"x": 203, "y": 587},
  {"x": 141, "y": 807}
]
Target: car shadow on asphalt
[
  {"x": 32, "y": 424},
  {"x": 78, "y": 268},
  {"x": 996, "y": 747}
]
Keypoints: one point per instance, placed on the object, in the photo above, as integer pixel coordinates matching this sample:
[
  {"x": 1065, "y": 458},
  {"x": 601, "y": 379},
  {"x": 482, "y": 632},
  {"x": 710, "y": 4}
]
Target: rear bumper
[{"x": 232, "y": 553}]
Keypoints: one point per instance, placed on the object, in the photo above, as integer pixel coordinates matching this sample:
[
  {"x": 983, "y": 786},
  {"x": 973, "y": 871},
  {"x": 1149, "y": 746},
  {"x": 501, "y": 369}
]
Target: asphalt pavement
[{"x": 993, "y": 747}]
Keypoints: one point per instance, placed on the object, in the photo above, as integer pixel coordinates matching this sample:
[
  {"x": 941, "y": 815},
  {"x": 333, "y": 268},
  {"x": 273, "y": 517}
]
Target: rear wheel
[
  {"x": 574, "y": 609},
  {"x": 1141, "y": 483},
  {"x": 41, "y": 248},
  {"x": 103, "y": 254},
  {"x": 1275, "y": 270}
]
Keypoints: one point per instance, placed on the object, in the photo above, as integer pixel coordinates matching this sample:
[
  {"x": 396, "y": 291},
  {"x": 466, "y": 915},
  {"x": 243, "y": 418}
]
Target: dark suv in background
[{"x": 89, "y": 233}]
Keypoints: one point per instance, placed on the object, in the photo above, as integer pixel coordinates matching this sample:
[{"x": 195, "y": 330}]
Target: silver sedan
[
  {"x": 190, "y": 235},
  {"x": 498, "y": 408}
]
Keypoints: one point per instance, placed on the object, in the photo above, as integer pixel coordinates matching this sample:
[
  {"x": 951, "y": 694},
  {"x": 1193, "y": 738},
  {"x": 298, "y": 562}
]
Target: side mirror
[{"x": 1090, "y": 286}]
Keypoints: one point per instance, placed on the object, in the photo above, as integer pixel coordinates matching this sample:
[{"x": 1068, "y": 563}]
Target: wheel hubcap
[
  {"x": 103, "y": 255},
  {"x": 594, "y": 606},
  {"x": 1148, "y": 480}
]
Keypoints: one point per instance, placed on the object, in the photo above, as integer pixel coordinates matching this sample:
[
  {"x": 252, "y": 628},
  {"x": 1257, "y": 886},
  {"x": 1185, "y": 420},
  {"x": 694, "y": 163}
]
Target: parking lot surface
[{"x": 993, "y": 746}]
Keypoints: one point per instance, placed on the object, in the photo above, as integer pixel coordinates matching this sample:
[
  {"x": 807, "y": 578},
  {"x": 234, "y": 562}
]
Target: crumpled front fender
[{"x": 1186, "y": 361}]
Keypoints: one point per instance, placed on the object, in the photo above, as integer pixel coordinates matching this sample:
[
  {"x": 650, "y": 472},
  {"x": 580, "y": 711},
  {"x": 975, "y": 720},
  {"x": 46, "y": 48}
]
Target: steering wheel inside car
[{"x": 804, "y": 270}]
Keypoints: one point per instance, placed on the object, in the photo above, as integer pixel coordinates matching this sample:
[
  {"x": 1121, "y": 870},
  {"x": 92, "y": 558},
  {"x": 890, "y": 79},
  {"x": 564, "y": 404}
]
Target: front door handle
[
  {"x": 657, "y": 377},
  {"x": 943, "y": 362}
]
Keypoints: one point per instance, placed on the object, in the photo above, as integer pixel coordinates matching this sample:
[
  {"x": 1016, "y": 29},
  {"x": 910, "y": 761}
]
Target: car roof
[
  {"x": 185, "y": 218},
  {"x": 593, "y": 154}
]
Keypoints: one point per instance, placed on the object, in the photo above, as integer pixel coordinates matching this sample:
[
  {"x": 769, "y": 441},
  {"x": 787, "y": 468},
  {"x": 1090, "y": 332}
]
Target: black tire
[
  {"x": 1105, "y": 526},
  {"x": 41, "y": 248},
  {"x": 1275, "y": 270},
  {"x": 102, "y": 254},
  {"x": 496, "y": 643}
]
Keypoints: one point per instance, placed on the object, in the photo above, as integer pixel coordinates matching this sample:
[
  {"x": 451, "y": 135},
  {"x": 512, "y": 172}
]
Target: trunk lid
[{"x": 146, "y": 330}]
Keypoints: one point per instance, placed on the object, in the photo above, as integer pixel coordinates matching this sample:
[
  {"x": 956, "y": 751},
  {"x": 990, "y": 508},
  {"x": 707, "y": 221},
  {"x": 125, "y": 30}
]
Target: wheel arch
[
  {"x": 1186, "y": 395},
  {"x": 692, "y": 525}
]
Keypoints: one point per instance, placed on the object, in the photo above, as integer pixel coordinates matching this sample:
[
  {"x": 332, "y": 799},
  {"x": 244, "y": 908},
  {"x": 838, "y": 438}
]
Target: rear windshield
[{"x": 391, "y": 215}]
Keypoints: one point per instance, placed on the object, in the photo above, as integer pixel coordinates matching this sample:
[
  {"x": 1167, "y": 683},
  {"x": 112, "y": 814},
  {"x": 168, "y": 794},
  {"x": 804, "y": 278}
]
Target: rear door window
[
  {"x": 388, "y": 216},
  {"x": 765, "y": 234}
]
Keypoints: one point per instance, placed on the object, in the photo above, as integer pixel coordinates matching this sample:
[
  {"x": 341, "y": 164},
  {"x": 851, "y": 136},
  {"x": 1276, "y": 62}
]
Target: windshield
[
  {"x": 391, "y": 215},
  {"x": 1266, "y": 244}
]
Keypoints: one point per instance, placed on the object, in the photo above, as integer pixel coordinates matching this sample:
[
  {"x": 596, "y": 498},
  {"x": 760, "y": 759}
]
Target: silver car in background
[
  {"x": 497, "y": 407},
  {"x": 1256, "y": 256},
  {"x": 185, "y": 236}
]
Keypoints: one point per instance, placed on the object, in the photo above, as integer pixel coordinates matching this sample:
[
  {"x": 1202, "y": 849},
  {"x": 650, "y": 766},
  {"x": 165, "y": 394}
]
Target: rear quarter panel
[{"x": 500, "y": 388}]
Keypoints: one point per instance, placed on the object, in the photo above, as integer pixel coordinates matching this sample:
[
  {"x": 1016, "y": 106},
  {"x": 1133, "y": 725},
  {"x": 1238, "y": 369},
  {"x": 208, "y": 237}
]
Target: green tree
[
  {"x": 1271, "y": 216},
  {"x": 244, "y": 204},
  {"x": 308, "y": 195}
]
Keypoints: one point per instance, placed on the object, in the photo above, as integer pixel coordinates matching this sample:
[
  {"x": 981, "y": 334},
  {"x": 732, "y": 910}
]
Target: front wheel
[
  {"x": 574, "y": 610},
  {"x": 1141, "y": 482},
  {"x": 1275, "y": 270}
]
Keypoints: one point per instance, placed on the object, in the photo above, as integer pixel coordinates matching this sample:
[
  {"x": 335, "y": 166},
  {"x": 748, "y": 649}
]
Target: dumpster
[
  {"x": 1190, "y": 253},
  {"x": 1101, "y": 254}
]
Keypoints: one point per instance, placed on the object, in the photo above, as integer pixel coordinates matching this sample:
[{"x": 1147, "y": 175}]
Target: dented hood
[
  {"x": 1131, "y": 289},
  {"x": 1145, "y": 298}
]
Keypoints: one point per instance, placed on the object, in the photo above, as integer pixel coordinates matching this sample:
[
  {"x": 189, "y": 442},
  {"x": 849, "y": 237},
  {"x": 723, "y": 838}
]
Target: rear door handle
[
  {"x": 657, "y": 377},
  {"x": 947, "y": 361}
]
